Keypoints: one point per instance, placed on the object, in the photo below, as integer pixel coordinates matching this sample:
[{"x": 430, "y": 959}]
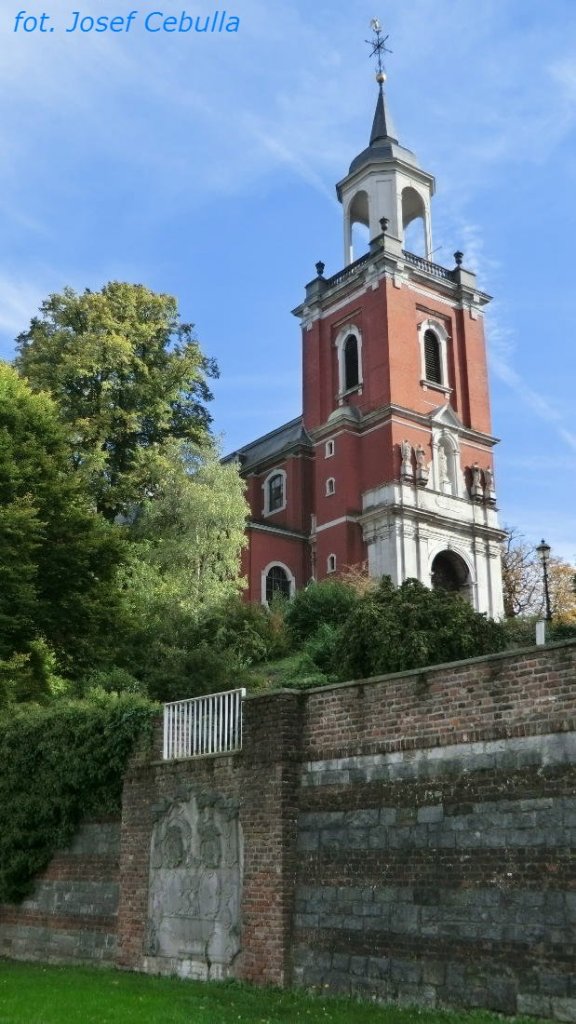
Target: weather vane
[{"x": 379, "y": 48}]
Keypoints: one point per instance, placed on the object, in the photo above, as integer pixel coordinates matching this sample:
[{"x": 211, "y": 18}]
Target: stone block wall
[
  {"x": 436, "y": 839},
  {"x": 72, "y": 914}
]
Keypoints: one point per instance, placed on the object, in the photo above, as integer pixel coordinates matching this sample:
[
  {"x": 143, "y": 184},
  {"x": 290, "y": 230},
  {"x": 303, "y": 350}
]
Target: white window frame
[
  {"x": 439, "y": 330},
  {"x": 329, "y": 448},
  {"x": 267, "y": 511},
  {"x": 330, "y": 486},
  {"x": 331, "y": 563},
  {"x": 343, "y": 334},
  {"x": 264, "y": 576}
]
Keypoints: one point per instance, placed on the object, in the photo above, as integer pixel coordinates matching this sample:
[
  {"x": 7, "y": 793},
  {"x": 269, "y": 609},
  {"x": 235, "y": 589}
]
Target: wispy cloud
[{"x": 502, "y": 346}]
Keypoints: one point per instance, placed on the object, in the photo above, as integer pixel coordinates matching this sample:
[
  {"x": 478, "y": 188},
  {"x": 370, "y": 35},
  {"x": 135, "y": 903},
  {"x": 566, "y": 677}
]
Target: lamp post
[{"x": 543, "y": 551}]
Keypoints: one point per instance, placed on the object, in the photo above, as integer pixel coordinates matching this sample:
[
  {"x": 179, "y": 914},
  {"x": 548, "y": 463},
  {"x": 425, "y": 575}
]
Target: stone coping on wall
[{"x": 426, "y": 670}]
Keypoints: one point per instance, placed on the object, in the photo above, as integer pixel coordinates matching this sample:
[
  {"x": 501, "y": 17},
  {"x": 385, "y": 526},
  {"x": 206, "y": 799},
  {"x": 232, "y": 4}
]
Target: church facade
[{"x": 390, "y": 465}]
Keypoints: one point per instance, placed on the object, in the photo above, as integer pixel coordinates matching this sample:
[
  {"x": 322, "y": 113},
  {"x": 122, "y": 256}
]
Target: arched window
[
  {"x": 274, "y": 489},
  {"x": 331, "y": 563},
  {"x": 432, "y": 357},
  {"x": 330, "y": 485},
  {"x": 351, "y": 366},
  {"x": 348, "y": 344},
  {"x": 433, "y": 338},
  {"x": 277, "y": 583}
]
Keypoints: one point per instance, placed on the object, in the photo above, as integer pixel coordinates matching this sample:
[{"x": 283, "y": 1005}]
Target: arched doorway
[{"x": 450, "y": 572}]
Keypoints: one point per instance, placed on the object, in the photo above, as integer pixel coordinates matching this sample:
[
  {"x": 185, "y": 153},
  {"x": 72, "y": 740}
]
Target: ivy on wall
[{"x": 58, "y": 765}]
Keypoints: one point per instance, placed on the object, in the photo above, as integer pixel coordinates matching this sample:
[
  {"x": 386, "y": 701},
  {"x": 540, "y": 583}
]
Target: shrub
[
  {"x": 397, "y": 629},
  {"x": 327, "y": 603}
]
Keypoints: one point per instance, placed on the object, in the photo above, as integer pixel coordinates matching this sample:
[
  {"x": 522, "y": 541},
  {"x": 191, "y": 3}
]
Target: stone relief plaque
[{"x": 195, "y": 883}]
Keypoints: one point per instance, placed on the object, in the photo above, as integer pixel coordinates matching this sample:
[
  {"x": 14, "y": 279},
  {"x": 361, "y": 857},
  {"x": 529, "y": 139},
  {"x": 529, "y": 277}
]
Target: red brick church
[{"x": 390, "y": 464}]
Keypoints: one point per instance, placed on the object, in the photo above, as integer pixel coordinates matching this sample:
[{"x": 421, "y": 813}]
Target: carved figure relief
[
  {"x": 422, "y": 468},
  {"x": 489, "y": 489},
  {"x": 406, "y": 470},
  {"x": 195, "y": 882},
  {"x": 476, "y": 490}
]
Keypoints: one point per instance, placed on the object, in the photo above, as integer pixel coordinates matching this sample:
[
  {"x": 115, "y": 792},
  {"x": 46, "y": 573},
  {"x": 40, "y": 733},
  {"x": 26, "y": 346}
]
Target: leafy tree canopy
[
  {"x": 58, "y": 558},
  {"x": 184, "y": 560},
  {"x": 127, "y": 375}
]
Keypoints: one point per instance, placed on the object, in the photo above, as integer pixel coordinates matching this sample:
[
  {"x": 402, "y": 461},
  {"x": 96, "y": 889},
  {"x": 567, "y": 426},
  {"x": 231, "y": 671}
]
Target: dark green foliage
[
  {"x": 322, "y": 648},
  {"x": 253, "y": 632},
  {"x": 329, "y": 602},
  {"x": 212, "y": 652},
  {"x": 396, "y": 629},
  {"x": 60, "y": 764},
  {"x": 58, "y": 558},
  {"x": 190, "y": 671}
]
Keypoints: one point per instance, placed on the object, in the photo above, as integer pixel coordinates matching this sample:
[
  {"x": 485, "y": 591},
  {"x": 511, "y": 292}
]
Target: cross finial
[{"x": 379, "y": 48}]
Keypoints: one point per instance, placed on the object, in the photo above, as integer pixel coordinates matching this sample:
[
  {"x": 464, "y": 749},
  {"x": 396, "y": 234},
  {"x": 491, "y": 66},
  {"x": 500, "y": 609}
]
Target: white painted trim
[
  {"x": 336, "y": 522},
  {"x": 340, "y": 340},
  {"x": 331, "y": 563},
  {"x": 264, "y": 574},
  {"x": 439, "y": 331},
  {"x": 330, "y": 487},
  {"x": 329, "y": 448},
  {"x": 267, "y": 511}
]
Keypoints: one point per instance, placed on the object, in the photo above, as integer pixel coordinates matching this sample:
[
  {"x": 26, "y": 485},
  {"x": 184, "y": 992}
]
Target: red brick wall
[{"x": 484, "y": 698}]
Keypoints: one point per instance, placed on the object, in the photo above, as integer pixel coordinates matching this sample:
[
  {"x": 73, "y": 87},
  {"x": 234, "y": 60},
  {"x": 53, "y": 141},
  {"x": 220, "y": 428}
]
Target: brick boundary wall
[
  {"x": 264, "y": 779},
  {"x": 409, "y": 837},
  {"x": 71, "y": 915}
]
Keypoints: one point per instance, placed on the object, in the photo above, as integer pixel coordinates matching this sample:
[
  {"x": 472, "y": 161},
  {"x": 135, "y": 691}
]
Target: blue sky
[{"x": 204, "y": 165}]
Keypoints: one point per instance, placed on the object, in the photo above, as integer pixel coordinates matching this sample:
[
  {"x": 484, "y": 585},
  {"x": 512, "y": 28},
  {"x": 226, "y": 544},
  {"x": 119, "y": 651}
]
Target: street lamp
[{"x": 543, "y": 552}]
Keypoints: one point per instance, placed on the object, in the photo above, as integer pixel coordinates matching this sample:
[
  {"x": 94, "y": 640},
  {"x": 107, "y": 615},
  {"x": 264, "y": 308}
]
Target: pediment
[{"x": 444, "y": 416}]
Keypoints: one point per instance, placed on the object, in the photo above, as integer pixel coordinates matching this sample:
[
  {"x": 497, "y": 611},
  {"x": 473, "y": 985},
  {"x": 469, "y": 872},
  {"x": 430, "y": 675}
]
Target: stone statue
[
  {"x": 489, "y": 490},
  {"x": 443, "y": 466},
  {"x": 422, "y": 469},
  {"x": 476, "y": 490},
  {"x": 407, "y": 472}
]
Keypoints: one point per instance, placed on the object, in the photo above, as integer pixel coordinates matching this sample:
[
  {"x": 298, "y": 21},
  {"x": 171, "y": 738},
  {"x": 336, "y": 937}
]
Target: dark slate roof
[
  {"x": 384, "y": 143},
  {"x": 271, "y": 446}
]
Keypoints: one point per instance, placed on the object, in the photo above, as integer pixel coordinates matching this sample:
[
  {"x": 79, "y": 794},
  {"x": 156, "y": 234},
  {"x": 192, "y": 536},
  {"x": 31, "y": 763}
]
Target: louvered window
[{"x": 432, "y": 358}]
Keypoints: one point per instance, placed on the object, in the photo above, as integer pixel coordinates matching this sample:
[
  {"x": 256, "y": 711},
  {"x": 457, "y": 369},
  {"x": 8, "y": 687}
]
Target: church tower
[{"x": 395, "y": 390}]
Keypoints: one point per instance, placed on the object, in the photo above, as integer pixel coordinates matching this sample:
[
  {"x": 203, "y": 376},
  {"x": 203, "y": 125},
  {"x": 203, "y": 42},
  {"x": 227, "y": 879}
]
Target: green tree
[
  {"x": 127, "y": 375},
  {"x": 394, "y": 629},
  {"x": 58, "y": 557},
  {"x": 184, "y": 561}
]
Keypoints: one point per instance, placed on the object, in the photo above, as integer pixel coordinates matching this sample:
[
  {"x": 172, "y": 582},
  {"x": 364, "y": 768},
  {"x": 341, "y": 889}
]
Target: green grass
[{"x": 33, "y": 994}]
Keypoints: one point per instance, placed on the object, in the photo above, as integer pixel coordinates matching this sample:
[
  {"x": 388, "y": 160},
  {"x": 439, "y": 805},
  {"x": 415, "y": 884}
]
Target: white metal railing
[{"x": 203, "y": 725}]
